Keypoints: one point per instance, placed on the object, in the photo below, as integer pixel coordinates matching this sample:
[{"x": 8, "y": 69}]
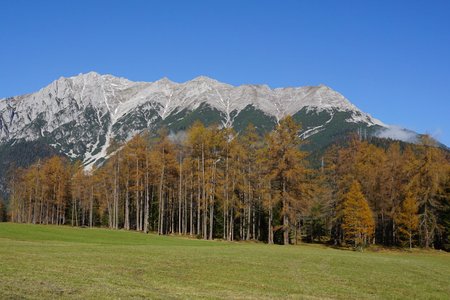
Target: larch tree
[
  {"x": 167, "y": 167},
  {"x": 370, "y": 162},
  {"x": 77, "y": 189},
  {"x": 287, "y": 170},
  {"x": 216, "y": 182},
  {"x": 251, "y": 144},
  {"x": 357, "y": 217},
  {"x": 234, "y": 187},
  {"x": 230, "y": 144},
  {"x": 320, "y": 209},
  {"x": 198, "y": 140},
  {"x": 426, "y": 184},
  {"x": 408, "y": 218},
  {"x": 392, "y": 179}
]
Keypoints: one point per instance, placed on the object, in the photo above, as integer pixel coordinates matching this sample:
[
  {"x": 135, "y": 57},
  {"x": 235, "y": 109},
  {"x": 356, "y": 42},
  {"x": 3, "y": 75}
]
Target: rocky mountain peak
[{"x": 79, "y": 115}]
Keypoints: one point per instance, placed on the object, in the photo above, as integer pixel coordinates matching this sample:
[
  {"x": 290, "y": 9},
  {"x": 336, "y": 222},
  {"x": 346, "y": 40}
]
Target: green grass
[{"x": 63, "y": 262}]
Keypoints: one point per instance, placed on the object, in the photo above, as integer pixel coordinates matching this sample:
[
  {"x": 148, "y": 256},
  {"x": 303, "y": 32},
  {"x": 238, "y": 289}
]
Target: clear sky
[{"x": 390, "y": 58}]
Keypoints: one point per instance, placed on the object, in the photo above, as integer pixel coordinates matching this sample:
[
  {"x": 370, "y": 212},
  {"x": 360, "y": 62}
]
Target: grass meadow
[{"x": 38, "y": 261}]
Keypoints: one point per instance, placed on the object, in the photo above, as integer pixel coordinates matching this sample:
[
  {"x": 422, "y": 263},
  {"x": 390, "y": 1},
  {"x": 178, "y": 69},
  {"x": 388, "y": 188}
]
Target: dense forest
[{"x": 214, "y": 183}]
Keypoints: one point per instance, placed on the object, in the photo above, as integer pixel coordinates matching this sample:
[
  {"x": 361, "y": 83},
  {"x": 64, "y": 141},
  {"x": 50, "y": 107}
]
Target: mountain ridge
[{"x": 80, "y": 115}]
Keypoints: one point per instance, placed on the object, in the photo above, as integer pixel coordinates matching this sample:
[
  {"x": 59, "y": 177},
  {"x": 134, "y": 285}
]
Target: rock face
[{"x": 80, "y": 116}]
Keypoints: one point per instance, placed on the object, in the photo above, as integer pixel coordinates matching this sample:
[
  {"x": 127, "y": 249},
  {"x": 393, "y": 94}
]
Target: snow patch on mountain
[{"x": 309, "y": 132}]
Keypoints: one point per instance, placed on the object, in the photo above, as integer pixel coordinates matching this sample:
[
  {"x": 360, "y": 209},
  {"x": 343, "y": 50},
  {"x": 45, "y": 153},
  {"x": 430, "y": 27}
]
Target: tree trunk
[
  {"x": 161, "y": 200},
  {"x": 410, "y": 240},
  {"x": 138, "y": 208},
  {"x": 91, "y": 207},
  {"x": 180, "y": 197},
  {"x": 127, "y": 204},
  {"x": 199, "y": 196},
  {"x": 285, "y": 217},
  {"x": 211, "y": 220},
  {"x": 270, "y": 228},
  {"x": 191, "y": 220},
  {"x": 205, "y": 204},
  {"x": 147, "y": 200}
]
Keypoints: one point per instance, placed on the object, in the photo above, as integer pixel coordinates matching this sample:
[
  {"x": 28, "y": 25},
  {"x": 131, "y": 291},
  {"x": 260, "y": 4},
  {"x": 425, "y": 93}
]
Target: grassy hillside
[{"x": 47, "y": 261}]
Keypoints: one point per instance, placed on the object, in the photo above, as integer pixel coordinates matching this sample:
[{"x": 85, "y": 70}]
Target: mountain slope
[{"x": 80, "y": 116}]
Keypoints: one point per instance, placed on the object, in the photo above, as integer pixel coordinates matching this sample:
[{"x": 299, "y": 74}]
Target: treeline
[{"x": 214, "y": 183}]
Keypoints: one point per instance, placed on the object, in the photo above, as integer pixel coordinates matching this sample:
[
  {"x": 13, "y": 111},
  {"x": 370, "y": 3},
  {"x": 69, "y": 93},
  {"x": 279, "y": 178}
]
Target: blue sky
[{"x": 390, "y": 58}]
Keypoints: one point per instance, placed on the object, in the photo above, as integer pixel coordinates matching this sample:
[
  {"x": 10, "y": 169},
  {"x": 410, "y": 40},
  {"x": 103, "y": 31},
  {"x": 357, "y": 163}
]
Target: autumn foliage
[
  {"x": 408, "y": 218},
  {"x": 357, "y": 217},
  {"x": 212, "y": 182}
]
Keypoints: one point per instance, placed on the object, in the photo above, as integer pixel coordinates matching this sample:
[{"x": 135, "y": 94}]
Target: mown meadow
[{"x": 38, "y": 261}]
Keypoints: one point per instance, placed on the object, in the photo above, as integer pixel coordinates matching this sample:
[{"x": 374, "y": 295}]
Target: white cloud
[{"x": 397, "y": 133}]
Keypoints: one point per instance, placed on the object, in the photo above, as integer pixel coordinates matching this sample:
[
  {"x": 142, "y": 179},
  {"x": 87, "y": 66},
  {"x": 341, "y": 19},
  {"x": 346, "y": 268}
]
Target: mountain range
[{"x": 79, "y": 116}]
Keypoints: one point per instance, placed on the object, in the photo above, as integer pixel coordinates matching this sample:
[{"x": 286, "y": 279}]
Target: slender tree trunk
[
  {"x": 232, "y": 224},
  {"x": 410, "y": 240},
  {"x": 116, "y": 208},
  {"x": 249, "y": 220},
  {"x": 83, "y": 216},
  {"x": 161, "y": 201},
  {"x": 180, "y": 197},
  {"x": 205, "y": 204},
  {"x": 91, "y": 206},
  {"x": 73, "y": 211},
  {"x": 211, "y": 201},
  {"x": 254, "y": 224},
  {"x": 270, "y": 229},
  {"x": 249, "y": 204},
  {"x": 225, "y": 222},
  {"x": 199, "y": 197},
  {"x": 146, "y": 212},
  {"x": 205, "y": 219},
  {"x": 138, "y": 211},
  {"x": 110, "y": 213},
  {"x": 127, "y": 203},
  {"x": 427, "y": 235},
  {"x": 115, "y": 197},
  {"x": 211, "y": 220},
  {"x": 172, "y": 213},
  {"x": 295, "y": 232},
  {"x": 226, "y": 208},
  {"x": 241, "y": 231},
  {"x": 258, "y": 228},
  {"x": 191, "y": 220},
  {"x": 285, "y": 217},
  {"x": 29, "y": 207},
  {"x": 185, "y": 207},
  {"x": 151, "y": 208}
]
